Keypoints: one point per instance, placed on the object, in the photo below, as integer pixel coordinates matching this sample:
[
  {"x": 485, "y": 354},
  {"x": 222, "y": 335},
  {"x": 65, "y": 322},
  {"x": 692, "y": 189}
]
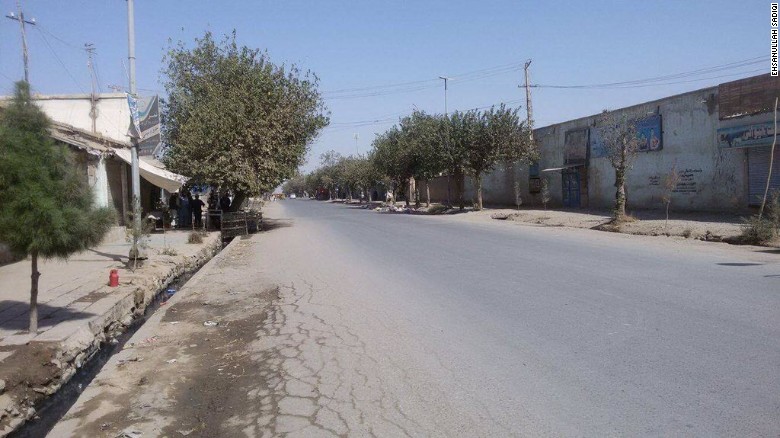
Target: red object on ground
[{"x": 113, "y": 278}]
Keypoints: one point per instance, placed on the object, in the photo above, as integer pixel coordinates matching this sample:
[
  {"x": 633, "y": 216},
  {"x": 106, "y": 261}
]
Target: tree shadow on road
[
  {"x": 273, "y": 224},
  {"x": 15, "y": 315}
]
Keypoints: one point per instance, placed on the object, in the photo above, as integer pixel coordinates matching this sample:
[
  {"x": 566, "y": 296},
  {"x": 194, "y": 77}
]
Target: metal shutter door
[{"x": 758, "y": 167}]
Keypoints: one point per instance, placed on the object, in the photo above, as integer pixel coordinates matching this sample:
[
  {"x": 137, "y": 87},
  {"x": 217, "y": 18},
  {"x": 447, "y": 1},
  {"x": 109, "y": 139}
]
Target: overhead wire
[
  {"x": 413, "y": 86},
  {"x": 54, "y": 53},
  {"x": 670, "y": 79}
]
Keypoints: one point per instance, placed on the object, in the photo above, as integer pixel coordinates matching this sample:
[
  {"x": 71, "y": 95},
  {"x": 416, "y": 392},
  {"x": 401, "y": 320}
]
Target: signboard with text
[
  {"x": 145, "y": 124},
  {"x": 745, "y": 136}
]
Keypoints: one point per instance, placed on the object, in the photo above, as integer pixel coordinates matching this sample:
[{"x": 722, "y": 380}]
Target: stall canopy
[{"x": 158, "y": 176}]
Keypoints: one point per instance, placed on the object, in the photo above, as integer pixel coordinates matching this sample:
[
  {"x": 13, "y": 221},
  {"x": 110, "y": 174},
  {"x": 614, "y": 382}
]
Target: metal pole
[
  {"x": 447, "y": 138},
  {"x": 135, "y": 173}
]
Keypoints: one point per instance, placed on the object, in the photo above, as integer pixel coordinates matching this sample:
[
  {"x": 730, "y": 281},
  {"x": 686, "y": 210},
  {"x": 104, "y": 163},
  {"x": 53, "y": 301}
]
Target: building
[
  {"x": 96, "y": 128},
  {"x": 717, "y": 139}
]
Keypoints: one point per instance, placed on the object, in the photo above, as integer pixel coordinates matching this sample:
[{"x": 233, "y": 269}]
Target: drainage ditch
[{"x": 55, "y": 407}]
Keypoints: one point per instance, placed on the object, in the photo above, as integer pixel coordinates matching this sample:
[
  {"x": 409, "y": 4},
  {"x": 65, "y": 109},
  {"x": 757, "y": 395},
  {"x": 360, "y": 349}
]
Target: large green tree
[
  {"x": 235, "y": 119},
  {"x": 46, "y": 207}
]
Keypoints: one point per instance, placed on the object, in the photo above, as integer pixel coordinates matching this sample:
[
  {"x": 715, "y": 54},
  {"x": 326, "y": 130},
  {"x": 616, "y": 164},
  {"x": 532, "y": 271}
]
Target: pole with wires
[
  {"x": 22, "y": 22},
  {"x": 135, "y": 172}
]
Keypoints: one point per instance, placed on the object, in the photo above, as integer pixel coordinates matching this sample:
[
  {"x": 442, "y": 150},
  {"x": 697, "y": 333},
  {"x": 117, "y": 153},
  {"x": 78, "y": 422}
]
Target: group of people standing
[{"x": 184, "y": 207}]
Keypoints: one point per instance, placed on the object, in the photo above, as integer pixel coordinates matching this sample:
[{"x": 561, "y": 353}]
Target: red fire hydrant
[{"x": 113, "y": 278}]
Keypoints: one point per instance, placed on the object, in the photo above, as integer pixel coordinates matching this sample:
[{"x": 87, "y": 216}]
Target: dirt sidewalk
[{"x": 178, "y": 374}]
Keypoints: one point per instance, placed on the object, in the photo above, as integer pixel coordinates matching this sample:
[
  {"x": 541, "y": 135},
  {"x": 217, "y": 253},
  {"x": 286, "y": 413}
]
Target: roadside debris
[{"x": 210, "y": 323}]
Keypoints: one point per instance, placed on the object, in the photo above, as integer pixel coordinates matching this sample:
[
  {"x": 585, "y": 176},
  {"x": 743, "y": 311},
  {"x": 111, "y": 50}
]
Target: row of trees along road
[{"x": 423, "y": 146}]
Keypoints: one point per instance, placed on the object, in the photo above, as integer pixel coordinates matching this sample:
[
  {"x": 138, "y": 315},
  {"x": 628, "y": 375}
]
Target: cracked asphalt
[{"x": 395, "y": 325}]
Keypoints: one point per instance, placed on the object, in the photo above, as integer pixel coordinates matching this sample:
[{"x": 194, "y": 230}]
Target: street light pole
[
  {"x": 447, "y": 137},
  {"x": 135, "y": 173}
]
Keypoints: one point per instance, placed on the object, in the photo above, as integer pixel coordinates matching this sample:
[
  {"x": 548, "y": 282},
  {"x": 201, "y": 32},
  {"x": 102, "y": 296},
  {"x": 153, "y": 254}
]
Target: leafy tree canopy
[{"x": 235, "y": 119}]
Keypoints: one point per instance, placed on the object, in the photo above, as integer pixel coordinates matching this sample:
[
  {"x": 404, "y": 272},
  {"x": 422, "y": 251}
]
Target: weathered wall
[
  {"x": 113, "y": 113},
  {"x": 711, "y": 178}
]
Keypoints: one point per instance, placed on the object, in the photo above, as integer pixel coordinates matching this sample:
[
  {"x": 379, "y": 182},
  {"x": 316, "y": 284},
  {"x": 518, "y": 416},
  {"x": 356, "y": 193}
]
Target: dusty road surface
[{"x": 347, "y": 322}]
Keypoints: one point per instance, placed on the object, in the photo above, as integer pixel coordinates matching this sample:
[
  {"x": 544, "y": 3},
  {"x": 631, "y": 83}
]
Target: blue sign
[
  {"x": 760, "y": 134},
  {"x": 648, "y": 131}
]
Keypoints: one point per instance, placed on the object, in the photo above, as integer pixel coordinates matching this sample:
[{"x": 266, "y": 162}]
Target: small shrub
[
  {"x": 687, "y": 232},
  {"x": 169, "y": 251},
  {"x": 757, "y": 231},
  {"x": 195, "y": 237}
]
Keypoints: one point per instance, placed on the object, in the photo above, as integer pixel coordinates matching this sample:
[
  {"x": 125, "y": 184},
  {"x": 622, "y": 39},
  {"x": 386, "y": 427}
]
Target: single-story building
[{"x": 717, "y": 140}]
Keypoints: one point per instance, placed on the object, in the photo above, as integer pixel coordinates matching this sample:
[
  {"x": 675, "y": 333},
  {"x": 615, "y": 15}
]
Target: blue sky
[{"x": 369, "y": 44}]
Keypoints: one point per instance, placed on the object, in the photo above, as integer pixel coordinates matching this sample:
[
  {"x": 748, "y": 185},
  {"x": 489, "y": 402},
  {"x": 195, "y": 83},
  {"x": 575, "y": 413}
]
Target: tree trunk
[
  {"x": 460, "y": 181},
  {"x": 405, "y": 189},
  {"x": 478, "y": 180},
  {"x": 620, "y": 194},
  {"x": 34, "y": 294},
  {"x": 238, "y": 200},
  {"x": 427, "y": 193}
]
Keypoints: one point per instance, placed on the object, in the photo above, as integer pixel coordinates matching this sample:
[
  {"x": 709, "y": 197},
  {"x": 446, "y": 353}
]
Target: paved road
[
  {"x": 438, "y": 326},
  {"x": 396, "y": 325}
]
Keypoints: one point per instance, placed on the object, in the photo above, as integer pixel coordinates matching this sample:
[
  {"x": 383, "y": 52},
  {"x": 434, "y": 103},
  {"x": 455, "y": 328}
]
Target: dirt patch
[
  {"x": 192, "y": 377},
  {"x": 711, "y": 227},
  {"x": 25, "y": 385}
]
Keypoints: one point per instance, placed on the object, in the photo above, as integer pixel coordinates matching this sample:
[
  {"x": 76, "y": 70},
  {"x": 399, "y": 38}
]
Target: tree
[
  {"x": 621, "y": 144},
  {"x": 47, "y": 208},
  {"x": 423, "y": 139},
  {"x": 392, "y": 160},
  {"x": 235, "y": 119},
  {"x": 493, "y": 136}
]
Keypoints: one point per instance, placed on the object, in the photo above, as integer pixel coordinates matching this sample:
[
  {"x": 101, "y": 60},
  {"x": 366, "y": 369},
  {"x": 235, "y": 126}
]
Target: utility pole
[
  {"x": 90, "y": 49},
  {"x": 529, "y": 110},
  {"x": 22, "y": 21},
  {"x": 134, "y": 173},
  {"x": 447, "y": 138},
  {"x": 356, "y": 136}
]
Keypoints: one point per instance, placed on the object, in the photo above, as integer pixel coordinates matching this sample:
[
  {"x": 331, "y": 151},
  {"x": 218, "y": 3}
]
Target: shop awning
[
  {"x": 558, "y": 169},
  {"x": 158, "y": 176}
]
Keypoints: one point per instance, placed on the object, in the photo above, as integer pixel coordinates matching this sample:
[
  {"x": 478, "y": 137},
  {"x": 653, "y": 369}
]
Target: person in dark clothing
[
  {"x": 224, "y": 202},
  {"x": 173, "y": 206},
  {"x": 185, "y": 215},
  {"x": 197, "y": 211},
  {"x": 189, "y": 208}
]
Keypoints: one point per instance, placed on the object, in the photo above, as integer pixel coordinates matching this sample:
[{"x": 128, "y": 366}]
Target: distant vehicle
[{"x": 292, "y": 196}]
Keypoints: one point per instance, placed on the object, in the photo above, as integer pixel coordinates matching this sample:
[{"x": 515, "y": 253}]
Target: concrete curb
[{"x": 116, "y": 311}]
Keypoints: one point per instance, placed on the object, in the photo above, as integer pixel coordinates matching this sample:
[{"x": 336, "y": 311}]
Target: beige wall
[{"x": 689, "y": 124}]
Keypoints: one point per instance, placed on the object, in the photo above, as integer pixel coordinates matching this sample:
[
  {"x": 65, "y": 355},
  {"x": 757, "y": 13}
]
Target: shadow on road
[
  {"x": 272, "y": 224},
  {"x": 15, "y": 315},
  {"x": 740, "y": 264}
]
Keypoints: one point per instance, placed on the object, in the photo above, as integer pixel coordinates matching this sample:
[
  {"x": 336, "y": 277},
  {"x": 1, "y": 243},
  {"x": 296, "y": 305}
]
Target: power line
[
  {"x": 342, "y": 126},
  {"x": 413, "y": 86},
  {"x": 668, "y": 79},
  {"x": 54, "y": 53}
]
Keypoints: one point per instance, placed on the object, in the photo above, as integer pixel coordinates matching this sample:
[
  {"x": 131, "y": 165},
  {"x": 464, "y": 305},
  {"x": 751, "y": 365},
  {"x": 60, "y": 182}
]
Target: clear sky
[{"x": 370, "y": 45}]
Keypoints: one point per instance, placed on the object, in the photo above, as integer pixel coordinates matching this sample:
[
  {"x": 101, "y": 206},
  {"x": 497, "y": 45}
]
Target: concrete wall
[
  {"x": 113, "y": 112},
  {"x": 715, "y": 179}
]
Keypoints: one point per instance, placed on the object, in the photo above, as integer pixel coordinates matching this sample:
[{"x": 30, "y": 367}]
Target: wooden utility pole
[
  {"x": 528, "y": 108},
  {"x": 22, "y": 21},
  {"x": 90, "y": 49}
]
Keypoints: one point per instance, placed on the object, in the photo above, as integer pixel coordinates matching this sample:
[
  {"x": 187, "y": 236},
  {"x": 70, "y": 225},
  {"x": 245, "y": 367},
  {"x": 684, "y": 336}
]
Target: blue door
[{"x": 571, "y": 189}]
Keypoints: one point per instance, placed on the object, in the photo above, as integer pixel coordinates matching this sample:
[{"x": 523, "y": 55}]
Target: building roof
[{"x": 84, "y": 140}]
